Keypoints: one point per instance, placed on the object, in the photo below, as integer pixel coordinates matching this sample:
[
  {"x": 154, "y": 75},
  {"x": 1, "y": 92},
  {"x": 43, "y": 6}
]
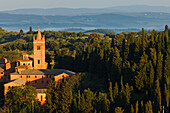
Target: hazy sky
[{"x": 17, "y": 4}]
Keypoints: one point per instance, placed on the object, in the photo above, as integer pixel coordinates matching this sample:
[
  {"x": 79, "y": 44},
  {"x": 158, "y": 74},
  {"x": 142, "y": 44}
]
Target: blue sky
[{"x": 17, "y": 4}]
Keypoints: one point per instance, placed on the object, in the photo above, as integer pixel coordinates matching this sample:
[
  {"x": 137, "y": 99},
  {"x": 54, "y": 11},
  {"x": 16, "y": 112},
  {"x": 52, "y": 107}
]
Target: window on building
[
  {"x": 41, "y": 97},
  {"x": 42, "y": 76},
  {"x": 1, "y": 72},
  {"x": 47, "y": 76},
  {"x": 47, "y": 81},
  {"x": 63, "y": 79},
  {"x": 50, "y": 76},
  {"x": 8, "y": 86},
  {"x": 35, "y": 81},
  {"x": 35, "y": 76},
  {"x": 28, "y": 63},
  {"x": 38, "y": 47},
  {"x": 27, "y": 76},
  {"x": 21, "y": 76},
  {"x": 24, "y": 64},
  {"x": 38, "y": 61},
  {"x": 42, "y": 82}
]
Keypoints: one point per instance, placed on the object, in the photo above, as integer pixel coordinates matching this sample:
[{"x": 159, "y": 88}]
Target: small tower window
[
  {"x": 35, "y": 76},
  {"x": 41, "y": 97},
  {"x": 63, "y": 79},
  {"x": 38, "y": 47},
  {"x": 38, "y": 61},
  {"x": 24, "y": 64}
]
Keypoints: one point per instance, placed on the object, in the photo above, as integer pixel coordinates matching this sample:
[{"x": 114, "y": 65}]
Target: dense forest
[{"x": 116, "y": 73}]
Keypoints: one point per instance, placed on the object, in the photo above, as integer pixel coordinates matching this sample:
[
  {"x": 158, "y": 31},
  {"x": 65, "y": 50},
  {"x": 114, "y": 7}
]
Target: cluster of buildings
[{"x": 32, "y": 70}]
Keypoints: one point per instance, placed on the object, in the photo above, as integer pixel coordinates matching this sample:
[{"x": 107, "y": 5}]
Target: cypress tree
[
  {"x": 159, "y": 66},
  {"x": 111, "y": 92},
  {"x": 148, "y": 107},
  {"x": 167, "y": 97},
  {"x": 118, "y": 110},
  {"x": 115, "y": 91},
  {"x": 113, "y": 43},
  {"x": 89, "y": 101},
  {"x": 137, "y": 107},
  {"x": 157, "y": 96},
  {"x": 132, "y": 109}
]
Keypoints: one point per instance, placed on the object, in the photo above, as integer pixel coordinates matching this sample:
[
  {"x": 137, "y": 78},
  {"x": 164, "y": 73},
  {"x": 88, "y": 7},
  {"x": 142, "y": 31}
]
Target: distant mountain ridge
[
  {"x": 148, "y": 20},
  {"x": 90, "y": 11}
]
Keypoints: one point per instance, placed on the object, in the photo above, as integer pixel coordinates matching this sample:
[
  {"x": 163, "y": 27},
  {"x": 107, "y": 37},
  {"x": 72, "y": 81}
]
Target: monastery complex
[{"x": 32, "y": 70}]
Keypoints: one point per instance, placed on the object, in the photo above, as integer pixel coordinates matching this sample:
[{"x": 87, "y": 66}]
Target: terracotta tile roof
[
  {"x": 45, "y": 72},
  {"x": 24, "y": 60},
  {"x": 19, "y": 81}
]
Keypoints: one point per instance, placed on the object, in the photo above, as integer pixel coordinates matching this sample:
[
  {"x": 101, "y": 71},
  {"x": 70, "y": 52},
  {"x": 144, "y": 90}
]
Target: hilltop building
[{"x": 32, "y": 70}]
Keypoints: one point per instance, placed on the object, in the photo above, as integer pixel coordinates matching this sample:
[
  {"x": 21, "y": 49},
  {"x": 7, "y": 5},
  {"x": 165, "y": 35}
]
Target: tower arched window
[
  {"x": 38, "y": 61},
  {"x": 38, "y": 47}
]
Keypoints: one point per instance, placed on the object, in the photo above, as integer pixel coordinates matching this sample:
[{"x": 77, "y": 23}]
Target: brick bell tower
[{"x": 39, "y": 51}]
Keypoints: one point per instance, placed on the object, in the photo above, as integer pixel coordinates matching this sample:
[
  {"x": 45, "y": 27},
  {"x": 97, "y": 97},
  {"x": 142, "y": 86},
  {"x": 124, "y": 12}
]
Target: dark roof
[{"x": 45, "y": 72}]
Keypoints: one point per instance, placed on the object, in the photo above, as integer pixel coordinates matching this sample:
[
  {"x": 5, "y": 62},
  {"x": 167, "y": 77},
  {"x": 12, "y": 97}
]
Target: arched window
[{"x": 38, "y": 61}]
